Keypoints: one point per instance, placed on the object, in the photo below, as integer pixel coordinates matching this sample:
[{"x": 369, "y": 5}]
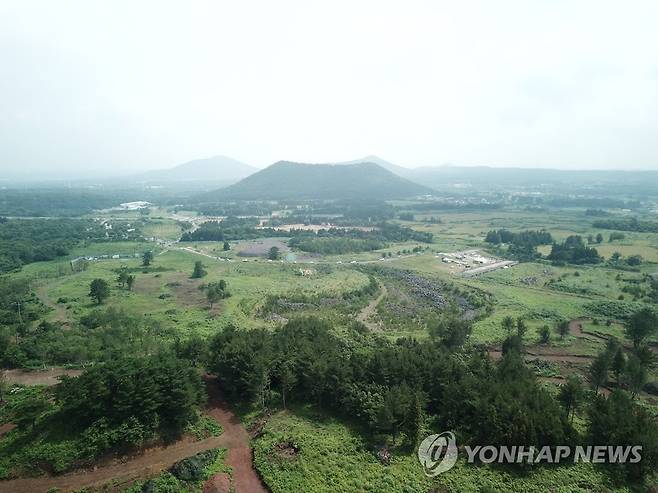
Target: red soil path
[{"x": 151, "y": 461}]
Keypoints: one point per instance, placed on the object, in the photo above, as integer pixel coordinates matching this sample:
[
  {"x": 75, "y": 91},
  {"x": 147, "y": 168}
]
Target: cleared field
[{"x": 167, "y": 294}]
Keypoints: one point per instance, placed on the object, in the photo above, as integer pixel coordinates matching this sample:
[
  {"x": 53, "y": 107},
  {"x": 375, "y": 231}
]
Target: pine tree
[{"x": 198, "y": 271}]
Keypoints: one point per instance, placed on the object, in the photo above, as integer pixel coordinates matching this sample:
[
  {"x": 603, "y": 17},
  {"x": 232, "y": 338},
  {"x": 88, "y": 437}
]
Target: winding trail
[
  {"x": 60, "y": 314},
  {"x": 125, "y": 470},
  {"x": 365, "y": 314}
]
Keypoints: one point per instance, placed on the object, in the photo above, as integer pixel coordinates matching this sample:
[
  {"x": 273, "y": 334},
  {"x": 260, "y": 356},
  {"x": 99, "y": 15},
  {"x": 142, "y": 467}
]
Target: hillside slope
[
  {"x": 393, "y": 168},
  {"x": 217, "y": 168},
  {"x": 299, "y": 181}
]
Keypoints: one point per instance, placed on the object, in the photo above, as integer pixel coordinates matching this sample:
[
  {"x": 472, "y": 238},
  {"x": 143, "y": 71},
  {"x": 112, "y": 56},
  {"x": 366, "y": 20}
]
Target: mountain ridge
[
  {"x": 217, "y": 168},
  {"x": 301, "y": 181}
]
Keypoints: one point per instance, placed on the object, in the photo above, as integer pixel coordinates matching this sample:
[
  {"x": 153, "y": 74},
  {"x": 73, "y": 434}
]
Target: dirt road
[
  {"x": 365, "y": 314},
  {"x": 236, "y": 440},
  {"x": 150, "y": 462}
]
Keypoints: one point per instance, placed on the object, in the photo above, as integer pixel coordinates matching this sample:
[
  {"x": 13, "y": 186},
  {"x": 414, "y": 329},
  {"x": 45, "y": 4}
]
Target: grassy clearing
[
  {"x": 302, "y": 451},
  {"x": 165, "y": 229},
  {"x": 166, "y": 294}
]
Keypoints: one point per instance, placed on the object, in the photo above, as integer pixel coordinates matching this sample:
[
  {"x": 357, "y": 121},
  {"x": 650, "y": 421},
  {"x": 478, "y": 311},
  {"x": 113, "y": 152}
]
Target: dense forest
[{"x": 395, "y": 389}]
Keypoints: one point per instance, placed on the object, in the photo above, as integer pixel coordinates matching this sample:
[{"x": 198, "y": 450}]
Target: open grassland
[
  {"x": 165, "y": 229},
  {"x": 165, "y": 292}
]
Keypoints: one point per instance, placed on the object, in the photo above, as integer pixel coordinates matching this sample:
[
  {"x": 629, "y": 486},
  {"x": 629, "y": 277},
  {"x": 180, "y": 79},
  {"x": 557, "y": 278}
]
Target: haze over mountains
[
  {"x": 219, "y": 172},
  {"x": 394, "y": 168},
  {"x": 217, "y": 168},
  {"x": 299, "y": 181}
]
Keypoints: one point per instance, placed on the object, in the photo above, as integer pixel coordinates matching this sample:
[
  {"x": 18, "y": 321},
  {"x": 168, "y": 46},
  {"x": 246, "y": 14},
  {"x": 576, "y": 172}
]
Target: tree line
[{"x": 398, "y": 388}]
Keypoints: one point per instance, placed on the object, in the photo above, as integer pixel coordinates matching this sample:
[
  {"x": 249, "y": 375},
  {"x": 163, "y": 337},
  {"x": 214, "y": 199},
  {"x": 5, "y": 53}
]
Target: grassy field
[
  {"x": 166, "y": 293},
  {"x": 310, "y": 452}
]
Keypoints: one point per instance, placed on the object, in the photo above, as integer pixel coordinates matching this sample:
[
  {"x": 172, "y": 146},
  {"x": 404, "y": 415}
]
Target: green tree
[
  {"x": 198, "y": 271},
  {"x": 122, "y": 278},
  {"x": 618, "y": 363},
  {"x": 571, "y": 394},
  {"x": 634, "y": 260},
  {"x": 544, "y": 334},
  {"x": 598, "y": 371},
  {"x": 635, "y": 375},
  {"x": 194, "y": 349},
  {"x": 287, "y": 379},
  {"x": 599, "y": 238},
  {"x": 646, "y": 356},
  {"x": 99, "y": 290},
  {"x": 147, "y": 258},
  {"x": 414, "y": 425},
  {"x": 508, "y": 324},
  {"x": 213, "y": 295},
  {"x": 450, "y": 328},
  {"x": 227, "y": 246},
  {"x": 394, "y": 411},
  {"x": 641, "y": 325},
  {"x": 27, "y": 411},
  {"x": 618, "y": 420},
  {"x": 562, "y": 328},
  {"x": 130, "y": 281},
  {"x": 274, "y": 253}
]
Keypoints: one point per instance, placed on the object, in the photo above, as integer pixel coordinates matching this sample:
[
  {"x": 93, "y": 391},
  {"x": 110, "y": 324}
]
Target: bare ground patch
[{"x": 39, "y": 377}]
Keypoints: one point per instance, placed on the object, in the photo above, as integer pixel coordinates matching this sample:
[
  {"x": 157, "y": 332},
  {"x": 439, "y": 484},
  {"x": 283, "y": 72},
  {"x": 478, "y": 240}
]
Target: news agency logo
[{"x": 438, "y": 453}]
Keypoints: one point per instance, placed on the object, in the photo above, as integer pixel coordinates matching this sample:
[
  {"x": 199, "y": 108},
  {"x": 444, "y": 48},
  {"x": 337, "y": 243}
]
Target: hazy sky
[{"x": 115, "y": 86}]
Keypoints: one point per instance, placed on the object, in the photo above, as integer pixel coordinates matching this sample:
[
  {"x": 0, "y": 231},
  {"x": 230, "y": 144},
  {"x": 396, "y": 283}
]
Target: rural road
[{"x": 156, "y": 459}]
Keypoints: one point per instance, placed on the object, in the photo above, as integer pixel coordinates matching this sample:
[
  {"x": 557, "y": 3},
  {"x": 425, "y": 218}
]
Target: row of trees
[
  {"x": 521, "y": 245},
  {"x": 534, "y": 238},
  {"x": 330, "y": 240},
  {"x": 398, "y": 388},
  {"x": 627, "y": 224},
  {"x": 574, "y": 251}
]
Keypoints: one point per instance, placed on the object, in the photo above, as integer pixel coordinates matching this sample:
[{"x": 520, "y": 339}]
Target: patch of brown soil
[
  {"x": 286, "y": 450},
  {"x": 188, "y": 294},
  {"x": 6, "y": 428},
  {"x": 219, "y": 483},
  {"x": 39, "y": 377}
]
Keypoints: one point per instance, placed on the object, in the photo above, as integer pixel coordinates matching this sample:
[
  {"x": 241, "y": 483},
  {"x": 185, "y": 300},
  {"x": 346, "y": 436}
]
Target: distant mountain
[
  {"x": 218, "y": 169},
  {"x": 479, "y": 176},
  {"x": 393, "y": 168},
  {"x": 299, "y": 181}
]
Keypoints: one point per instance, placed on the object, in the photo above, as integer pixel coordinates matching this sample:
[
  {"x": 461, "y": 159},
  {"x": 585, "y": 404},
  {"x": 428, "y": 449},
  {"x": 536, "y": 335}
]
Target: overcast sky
[{"x": 111, "y": 87}]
